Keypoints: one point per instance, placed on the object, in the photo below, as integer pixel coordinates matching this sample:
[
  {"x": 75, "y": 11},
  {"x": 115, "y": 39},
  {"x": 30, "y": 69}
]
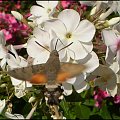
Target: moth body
[{"x": 52, "y": 67}]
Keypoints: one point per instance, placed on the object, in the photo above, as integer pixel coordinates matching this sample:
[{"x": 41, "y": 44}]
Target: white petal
[
  {"x": 85, "y": 31},
  {"x": 109, "y": 37},
  {"x": 70, "y": 18},
  {"x": 17, "y": 15},
  {"x": 43, "y": 3},
  {"x": 67, "y": 88},
  {"x": 92, "y": 63},
  {"x": 59, "y": 46},
  {"x": 2, "y": 38},
  {"x": 53, "y": 4},
  {"x": 15, "y": 81},
  {"x": 36, "y": 51},
  {"x": 12, "y": 62},
  {"x": 79, "y": 79},
  {"x": 3, "y": 63},
  {"x": 15, "y": 53},
  {"x": 71, "y": 80},
  {"x": 79, "y": 51},
  {"x": 37, "y": 11},
  {"x": 115, "y": 66},
  {"x": 42, "y": 58},
  {"x": 3, "y": 51},
  {"x": 118, "y": 78},
  {"x": 109, "y": 56},
  {"x": 113, "y": 48},
  {"x": 2, "y": 105},
  {"x": 23, "y": 62},
  {"x": 14, "y": 116},
  {"x": 27, "y": 84},
  {"x": 20, "y": 90},
  {"x": 81, "y": 87},
  {"x": 88, "y": 46},
  {"x": 112, "y": 92},
  {"x": 58, "y": 27},
  {"x": 41, "y": 35},
  {"x": 118, "y": 56}
]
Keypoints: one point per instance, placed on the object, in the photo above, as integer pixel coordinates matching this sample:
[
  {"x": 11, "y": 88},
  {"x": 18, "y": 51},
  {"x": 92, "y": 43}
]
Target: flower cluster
[
  {"x": 95, "y": 43},
  {"x": 11, "y": 28}
]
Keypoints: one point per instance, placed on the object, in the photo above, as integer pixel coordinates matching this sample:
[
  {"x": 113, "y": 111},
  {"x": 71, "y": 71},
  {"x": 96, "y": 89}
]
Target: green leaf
[
  {"x": 105, "y": 113},
  {"x": 65, "y": 108},
  {"x": 81, "y": 111},
  {"x": 89, "y": 102}
]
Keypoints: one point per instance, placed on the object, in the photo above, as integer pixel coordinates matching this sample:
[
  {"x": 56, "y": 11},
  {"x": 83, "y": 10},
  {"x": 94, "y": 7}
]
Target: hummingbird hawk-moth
[{"x": 51, "y": 74}]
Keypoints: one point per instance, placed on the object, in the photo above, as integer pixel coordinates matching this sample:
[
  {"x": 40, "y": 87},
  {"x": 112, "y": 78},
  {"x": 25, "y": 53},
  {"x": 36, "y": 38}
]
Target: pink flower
[
  {"x": 7, "y": 34},
  {"x": 66, "y": 3},
  {"x": 11, "y": 28},
  {"x": 18, "y": 5},
  {"x": 99, "y": 96},
  {"x": 117, "y": 99}
]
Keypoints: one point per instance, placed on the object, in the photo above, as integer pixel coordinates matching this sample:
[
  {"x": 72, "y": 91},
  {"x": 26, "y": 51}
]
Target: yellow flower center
[{"x": 68, "y": 35}]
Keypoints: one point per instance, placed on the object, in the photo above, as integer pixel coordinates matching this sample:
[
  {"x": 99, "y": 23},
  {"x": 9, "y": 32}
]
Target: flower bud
[
  {"x": 3, "y": 85},
  {"x": 17, "y": 15},
  {"x": 93, "y": 11},
  {"x": 32, "y": 99},
  {"x": 114, "y": 20}
]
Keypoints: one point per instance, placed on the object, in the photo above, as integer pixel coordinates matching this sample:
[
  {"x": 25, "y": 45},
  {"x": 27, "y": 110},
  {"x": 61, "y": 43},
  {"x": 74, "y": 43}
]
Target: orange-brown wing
[
  {"x": 33, "y": 74},
  {"x": 38, "y": 79},
  {"x": 69, "y": 70}
]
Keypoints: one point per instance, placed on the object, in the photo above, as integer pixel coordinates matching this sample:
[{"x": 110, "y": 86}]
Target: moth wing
[
  {"x": 69, "y": 70},
  {"x": 30, "y": 73}
]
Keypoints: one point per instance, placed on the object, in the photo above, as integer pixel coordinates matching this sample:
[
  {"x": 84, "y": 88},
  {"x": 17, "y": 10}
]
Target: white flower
[
  {"x": 43, "y": 12},
  {"x": 112, "y": 41},
  {"x": 41, "y": 37},
  {"x": 2, "y": 105},
  {"x": 2, "y": 38},
  {"x": 20, "y": 87},
  {"x": 69, "y": 29},
  {"x": 15, "y": 61},
  {"x": 114, "y": 6},
  {"x": 3, "y": 50},
  {"x": 79, "y": 83},
  {"x": 17, "y": 15},
  {"x": 14, "y": 116},
  {"x": 113, "y": 21},
  {"x": 106, "y": 79},
  {"x": 98, "y": 5}
]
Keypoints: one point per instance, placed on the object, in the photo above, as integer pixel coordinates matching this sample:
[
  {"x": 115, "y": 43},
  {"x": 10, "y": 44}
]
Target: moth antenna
[
  {"x": 42, "y": 46},
  {"x": 56, "y": 44},
  {"x": 61, "y": 41},
  {"x": 65, "y": 46},
  {"x": 11, "y": 53}
]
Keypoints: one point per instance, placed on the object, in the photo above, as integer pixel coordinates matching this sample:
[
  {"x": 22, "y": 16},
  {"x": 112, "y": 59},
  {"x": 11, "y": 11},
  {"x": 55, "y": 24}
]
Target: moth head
[{"x": 54, "y": 53}]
